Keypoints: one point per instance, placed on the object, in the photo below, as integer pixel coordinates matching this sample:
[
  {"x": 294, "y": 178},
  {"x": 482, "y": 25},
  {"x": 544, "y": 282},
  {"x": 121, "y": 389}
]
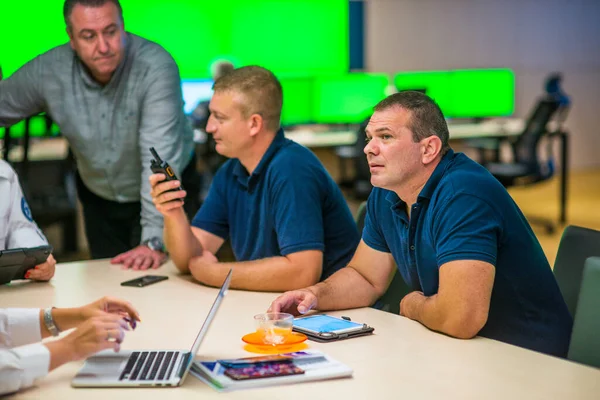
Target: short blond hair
[{"x": 260, "y": 89}]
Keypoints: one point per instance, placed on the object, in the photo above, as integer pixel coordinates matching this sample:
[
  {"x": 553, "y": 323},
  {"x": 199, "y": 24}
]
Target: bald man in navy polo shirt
[
  {"x": 287, "y": 220},
  {"x": 456, "y": 235}
]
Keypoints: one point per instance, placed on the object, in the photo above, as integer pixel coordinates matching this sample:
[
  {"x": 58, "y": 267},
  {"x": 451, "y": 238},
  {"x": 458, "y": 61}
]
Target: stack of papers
[{"x": 262, "y": 371}]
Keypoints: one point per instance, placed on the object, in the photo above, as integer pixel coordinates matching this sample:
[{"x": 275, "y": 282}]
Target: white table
[{"x": 402, "y": 360}]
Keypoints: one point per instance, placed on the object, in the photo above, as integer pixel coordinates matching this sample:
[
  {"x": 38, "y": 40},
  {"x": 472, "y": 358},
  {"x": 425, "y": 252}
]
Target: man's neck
[
  {"x": 409, "y": 192},
  {"x": 255, "y": 153}
]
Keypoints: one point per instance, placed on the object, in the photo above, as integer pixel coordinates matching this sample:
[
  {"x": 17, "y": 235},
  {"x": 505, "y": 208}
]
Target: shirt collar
[
  {"x": 437, "y": 175},
  {"x": 240, "y": 171}
]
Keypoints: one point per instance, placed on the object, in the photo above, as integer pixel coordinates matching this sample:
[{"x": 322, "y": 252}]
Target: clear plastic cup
[{"x": 273, "y": 328}]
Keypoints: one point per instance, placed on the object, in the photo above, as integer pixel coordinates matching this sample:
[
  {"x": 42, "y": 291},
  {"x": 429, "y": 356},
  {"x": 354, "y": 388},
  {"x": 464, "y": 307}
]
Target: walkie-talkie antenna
[{"x": 155, "y": 154}]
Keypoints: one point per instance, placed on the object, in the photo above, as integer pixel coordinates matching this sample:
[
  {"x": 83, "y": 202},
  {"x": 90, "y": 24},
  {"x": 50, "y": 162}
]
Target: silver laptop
[{"x": 145, "y": 368}]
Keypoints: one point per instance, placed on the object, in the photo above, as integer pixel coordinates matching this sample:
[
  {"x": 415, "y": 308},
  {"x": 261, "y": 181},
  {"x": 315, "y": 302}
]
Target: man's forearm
[
  {"x": 347, "y": 288},
  {"x": 274, "y": 274},
  {"x": 180, "y": 241},
  {"x": 435, "y": 315}
]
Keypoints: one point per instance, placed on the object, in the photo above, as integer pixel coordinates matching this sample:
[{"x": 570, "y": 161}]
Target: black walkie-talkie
[{"x": 158, "y": 166}]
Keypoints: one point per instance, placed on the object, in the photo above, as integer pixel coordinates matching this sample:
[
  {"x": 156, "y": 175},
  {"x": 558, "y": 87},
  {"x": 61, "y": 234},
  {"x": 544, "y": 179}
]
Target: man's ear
[
  {"x": 431, "y": 147},
  {"x": 70, "y": 34},
  {"x": 256, "y": 123}
]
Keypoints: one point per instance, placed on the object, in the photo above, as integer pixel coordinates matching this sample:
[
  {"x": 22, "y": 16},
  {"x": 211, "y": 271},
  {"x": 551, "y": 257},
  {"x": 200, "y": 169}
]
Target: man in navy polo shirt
[
  {"x": 458, "y": 238},
  {"x": 287, "y": 220}
]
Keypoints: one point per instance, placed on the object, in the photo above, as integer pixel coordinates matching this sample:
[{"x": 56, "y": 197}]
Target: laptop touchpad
[{"x": 103, "y": 366}]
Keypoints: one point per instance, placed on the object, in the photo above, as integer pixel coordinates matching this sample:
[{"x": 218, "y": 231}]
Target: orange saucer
[{"x": 291, "y": 339}]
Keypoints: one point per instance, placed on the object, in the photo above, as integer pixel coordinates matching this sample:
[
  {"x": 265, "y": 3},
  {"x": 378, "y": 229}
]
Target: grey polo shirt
[{"x": 109, "y": 128}]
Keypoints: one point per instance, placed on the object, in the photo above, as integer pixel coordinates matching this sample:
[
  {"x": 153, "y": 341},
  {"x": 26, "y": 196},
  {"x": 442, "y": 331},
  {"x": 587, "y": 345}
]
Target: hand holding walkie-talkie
[{"x": 158, "y": 166}]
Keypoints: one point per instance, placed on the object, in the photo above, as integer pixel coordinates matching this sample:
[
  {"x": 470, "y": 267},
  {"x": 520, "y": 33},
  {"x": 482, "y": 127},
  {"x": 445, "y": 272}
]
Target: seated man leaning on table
[
  {"x": 23, "y": 359},
  {"x": 287, "y": 220},
  {"x": 17, "y": 228},
  {"x": 458, "y": 238}
]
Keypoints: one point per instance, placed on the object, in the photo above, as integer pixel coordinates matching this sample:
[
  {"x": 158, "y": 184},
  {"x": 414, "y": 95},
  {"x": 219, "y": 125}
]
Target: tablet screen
[{"x": 325, "y": 323}]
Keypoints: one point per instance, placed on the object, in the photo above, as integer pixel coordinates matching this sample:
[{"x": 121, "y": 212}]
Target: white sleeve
[
  {"x": 19, "y": 326},
  {"x": 21, "y": 366},
  {"x": 22, "y": 230}
]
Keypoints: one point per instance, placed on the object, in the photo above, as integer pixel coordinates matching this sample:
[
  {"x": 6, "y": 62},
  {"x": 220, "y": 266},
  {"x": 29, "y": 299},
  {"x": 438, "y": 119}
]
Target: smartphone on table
[{"x": 144, "y": 280}]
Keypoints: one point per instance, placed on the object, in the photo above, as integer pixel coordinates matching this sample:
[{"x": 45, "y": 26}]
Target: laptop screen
[{"x": 207, "y": 322}]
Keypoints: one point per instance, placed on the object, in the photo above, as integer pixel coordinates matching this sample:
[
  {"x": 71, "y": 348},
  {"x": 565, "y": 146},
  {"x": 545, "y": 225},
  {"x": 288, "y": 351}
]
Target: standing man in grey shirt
[{"x": 113, "y": 95}]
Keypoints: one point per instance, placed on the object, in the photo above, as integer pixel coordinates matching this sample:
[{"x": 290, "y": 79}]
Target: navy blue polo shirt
[
  {"x": 288, "y": 204},
  {"x": 464, "y": 213}
]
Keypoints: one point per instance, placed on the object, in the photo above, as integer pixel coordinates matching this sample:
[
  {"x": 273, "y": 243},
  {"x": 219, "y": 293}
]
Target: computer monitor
[
  {"x": 195, "y": 91},
  {"x": 298, "y": 100},
  {"x": 480, "y": 93},
  {"x": 435, "y": 84},
  {"x": 349, "y": 98},
  {"x": 468, "y": 93}
]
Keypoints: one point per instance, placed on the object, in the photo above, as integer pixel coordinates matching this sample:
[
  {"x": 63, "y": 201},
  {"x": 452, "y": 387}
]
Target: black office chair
[
  {"x": 526, "y": 167},
  {"x": 48, "y": 185},
  {"x": 360, "y": 182}
]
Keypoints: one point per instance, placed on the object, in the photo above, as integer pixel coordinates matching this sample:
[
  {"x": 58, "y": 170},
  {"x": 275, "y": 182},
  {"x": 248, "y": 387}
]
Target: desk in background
[
  {"x": 335, "y": 138},
  {"x": 402, "y": 359}
]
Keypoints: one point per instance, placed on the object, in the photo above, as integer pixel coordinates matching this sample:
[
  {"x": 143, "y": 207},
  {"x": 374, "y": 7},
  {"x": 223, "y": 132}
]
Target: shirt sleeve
[
  {"x": 213, "y": 216},
  {"x": 19, "y": 326},
  {"x": 22, "y": 358},
  {"x": 20, "y": 94},
  {"x": 467, "y": 228},
  {"x": 22, "y": 230},
  {"x": 20, "y": 367},
  {"x": 372, "y": 234},
  {"x": 297, "y": 203},
  {"x": 164, "y": 127}
]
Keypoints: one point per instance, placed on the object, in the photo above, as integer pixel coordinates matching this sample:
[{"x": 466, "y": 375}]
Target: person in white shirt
[
  {"x": 17, "y": 227},
  {"x": 24, "y": 359}
]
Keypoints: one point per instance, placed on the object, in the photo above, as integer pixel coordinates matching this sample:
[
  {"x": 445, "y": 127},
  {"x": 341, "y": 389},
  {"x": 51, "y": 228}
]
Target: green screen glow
[
  {"x": 290, "y": 37},
  {"x": 348, "y": 98},
  {"x": 482, "y": 93},
  {"x": 298, "y": 100},
  {"x": 465, "y": 93},
  {"x": 286, "y": 36}
]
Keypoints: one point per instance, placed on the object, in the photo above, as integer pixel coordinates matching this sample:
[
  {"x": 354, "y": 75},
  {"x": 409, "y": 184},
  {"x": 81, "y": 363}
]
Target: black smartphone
[
  {"x": 144, "y": 280},
  {"x": 158, "y": 166}
]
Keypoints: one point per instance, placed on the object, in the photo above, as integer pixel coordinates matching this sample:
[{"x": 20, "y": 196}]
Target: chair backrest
[
  {"x": 585, "y": 339},
  {"x": 526, "y": 147},
  {"x": 360, "y": 216},
  {"x": 362, "y": 174},
  {"x": 576, "y": 245},
  {"x": 390, "y": 301}
]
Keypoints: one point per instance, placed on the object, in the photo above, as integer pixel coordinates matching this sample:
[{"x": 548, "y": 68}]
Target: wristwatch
[
  {"x": 49, "y": 322},
  {"x": 155, "y": 243}
]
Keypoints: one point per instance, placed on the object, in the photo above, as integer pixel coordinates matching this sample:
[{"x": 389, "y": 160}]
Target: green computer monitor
[
  {"x": 348, "y": 98},
  {"x": 468, "y": 93},
  {"x": 482, "y": 93},
  {"x": 436, "y": 84},
  {"x": 298, "y": 100}
]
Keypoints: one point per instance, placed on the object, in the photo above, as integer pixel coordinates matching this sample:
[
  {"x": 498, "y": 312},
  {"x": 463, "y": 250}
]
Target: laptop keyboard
[{"x": 149, "y": 366}]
